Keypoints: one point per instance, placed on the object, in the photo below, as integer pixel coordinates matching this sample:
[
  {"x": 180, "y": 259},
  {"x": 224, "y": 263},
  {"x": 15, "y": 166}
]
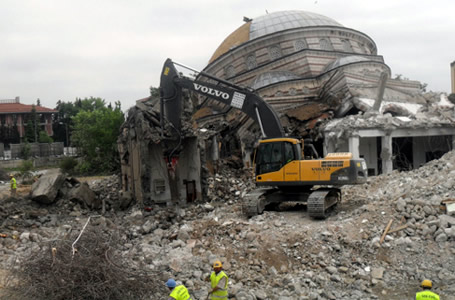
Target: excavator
[{"x": 286, "y": 168}]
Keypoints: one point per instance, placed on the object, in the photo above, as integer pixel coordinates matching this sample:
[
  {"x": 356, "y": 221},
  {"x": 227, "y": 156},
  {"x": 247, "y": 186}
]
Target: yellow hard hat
[
  {"x": 426, "y": 283},
  {"x": 217, "y": 264}
]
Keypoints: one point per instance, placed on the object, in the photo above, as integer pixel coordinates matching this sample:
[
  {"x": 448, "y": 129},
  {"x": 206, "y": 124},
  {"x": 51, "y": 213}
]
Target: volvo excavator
[{"x": 286, "y": 168}]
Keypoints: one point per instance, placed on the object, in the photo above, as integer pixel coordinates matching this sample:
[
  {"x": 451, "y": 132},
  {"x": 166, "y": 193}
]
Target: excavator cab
[{"x": 274, "y": 154}]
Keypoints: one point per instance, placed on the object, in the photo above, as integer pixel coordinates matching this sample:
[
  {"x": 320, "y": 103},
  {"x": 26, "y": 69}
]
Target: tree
[
  {"x": 154, "y": 92},
  {"x": 29, "y": 131},
  {"x": 62, "y": 123},
  {"x": 95, "y": 132},
  {"x": 44, "y": 138},
  {"x": 34, "y": 119},
  {"x": 452, "y": 98}
]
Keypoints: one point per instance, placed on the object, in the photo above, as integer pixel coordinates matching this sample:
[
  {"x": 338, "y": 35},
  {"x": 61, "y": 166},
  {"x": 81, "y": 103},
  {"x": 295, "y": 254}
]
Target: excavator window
[
  {"x": 288, "y": 152},
  {"x": 270, "y": 157}
]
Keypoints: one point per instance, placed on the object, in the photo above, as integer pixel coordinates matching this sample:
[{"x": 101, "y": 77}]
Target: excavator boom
[{"x": 225, "y": 92}]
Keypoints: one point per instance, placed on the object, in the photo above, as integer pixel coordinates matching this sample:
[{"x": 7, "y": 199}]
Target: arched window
[
  {"x": 346, "y": 45},
  {"x": 274, "y": 52},
  {"x": 251, "y": 62},
  {"x": 229, "y": 71},
  {"x": 325, "y": 44},
  {"x": 300, "y": 45}
]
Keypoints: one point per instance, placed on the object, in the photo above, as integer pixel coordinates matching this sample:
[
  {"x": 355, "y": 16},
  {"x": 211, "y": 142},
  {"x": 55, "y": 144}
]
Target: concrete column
[
  {"x": 354, "y": 142},
  {"x": 453, "y": 142},
  {"x": 386, "y": 154},
  {"x": 215, "y": 150}
]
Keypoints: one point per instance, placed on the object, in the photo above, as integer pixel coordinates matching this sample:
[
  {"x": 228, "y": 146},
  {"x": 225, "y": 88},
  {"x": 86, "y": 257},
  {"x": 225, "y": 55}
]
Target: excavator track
[
  {"x": 321, "y": 200},
  {"x": 254, "y": 202}
]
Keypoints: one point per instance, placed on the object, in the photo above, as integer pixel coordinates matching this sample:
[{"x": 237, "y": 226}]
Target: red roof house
[{"x": 13, "y": 112}]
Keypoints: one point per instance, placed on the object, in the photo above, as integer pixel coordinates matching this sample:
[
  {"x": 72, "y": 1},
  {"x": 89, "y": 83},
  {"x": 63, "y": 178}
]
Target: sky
[{"x": 115, "y": 49}]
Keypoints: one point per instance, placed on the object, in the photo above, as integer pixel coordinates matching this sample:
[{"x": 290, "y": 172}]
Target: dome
[
  {"x": 272, "y": 23},
  {"x": 284, "y": 20},
  {"x": 344, "y": 61},
  {"x": 268, "y": 78}
]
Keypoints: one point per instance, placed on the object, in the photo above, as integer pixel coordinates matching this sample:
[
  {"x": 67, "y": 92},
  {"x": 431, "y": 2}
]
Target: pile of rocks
[{"x": 279, "y": 254}]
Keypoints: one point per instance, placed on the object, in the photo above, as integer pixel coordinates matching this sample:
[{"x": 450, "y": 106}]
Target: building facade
[{"x": 15, "y": 115}]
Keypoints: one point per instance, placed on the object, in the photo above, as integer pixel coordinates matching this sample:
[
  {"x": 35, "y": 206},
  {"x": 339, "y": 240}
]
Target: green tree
[
  {"x": 34, "y": 119},
  {"x": 95, "y": 132},
  {"x": 29, "y": 131},
  {"x": 62, "y": 123},
  {"x": 44, "y": 138}
]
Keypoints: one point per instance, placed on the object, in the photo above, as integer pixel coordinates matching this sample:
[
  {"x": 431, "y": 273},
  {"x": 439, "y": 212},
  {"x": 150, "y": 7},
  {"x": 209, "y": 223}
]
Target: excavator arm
[{"x": 255, "y": 107}]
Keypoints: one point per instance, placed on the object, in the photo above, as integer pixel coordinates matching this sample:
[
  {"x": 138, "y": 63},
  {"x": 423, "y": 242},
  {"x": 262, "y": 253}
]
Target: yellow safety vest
[
  {"x": 427, "y": 295},
  {"x": 220, "y": 293},
  {"x": 180, "y": 292},
  {"x": 13, "y": 183}
]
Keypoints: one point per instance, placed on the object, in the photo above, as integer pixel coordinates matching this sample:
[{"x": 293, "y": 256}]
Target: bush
[
  {"x": 68, "y": 165},
  {"x": 85, "y": 266},
  {"x": 44, "y": 138},
  {"x": 83, "y": 168},
  {"x": 26, "y": 150},
  {"x": 25, "y": 170}
]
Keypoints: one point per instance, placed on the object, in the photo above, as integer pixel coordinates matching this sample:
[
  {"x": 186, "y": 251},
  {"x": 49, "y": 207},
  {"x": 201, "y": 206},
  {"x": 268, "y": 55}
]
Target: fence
[{"x": 37, "y": 150}]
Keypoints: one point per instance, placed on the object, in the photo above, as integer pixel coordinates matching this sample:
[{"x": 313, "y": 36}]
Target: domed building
[
  {"x": 311, "y": 68},
  {"x": 325, "y": 81}
]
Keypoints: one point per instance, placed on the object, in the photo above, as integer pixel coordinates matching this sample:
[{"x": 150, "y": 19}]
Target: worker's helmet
[
  {"x": 217, "y": 264},
  {"x": 426, "y": 283},
  {"x": 171, "y": 283},
  {"x": 11, "y": 175}
]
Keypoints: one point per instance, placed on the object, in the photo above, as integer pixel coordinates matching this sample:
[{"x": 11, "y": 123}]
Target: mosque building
[{"x": 312, "y": 69}]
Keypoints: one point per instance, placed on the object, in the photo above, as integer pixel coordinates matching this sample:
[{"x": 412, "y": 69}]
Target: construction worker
[
  {"x": 178, "y": 292},
  {"x": 426, "y": 294},
  {"x": 13, "y": 185},
  {"x": 219, "y": 282}
]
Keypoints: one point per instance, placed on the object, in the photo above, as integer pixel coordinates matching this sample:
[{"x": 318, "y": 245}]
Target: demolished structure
[{"x": 326, "y": 81}]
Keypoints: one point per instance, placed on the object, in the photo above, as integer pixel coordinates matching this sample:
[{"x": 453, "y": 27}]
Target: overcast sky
[{"x": 115, "y": 49}]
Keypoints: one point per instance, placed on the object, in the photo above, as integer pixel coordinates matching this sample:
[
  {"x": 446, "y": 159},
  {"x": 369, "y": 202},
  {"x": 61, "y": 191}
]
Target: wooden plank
[
  {"x": 385, "y": 231},
  {"x": 398, "y": 228}
]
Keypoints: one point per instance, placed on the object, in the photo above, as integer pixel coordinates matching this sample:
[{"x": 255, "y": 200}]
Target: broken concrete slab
[
  {"x": 46, "y": 188},
  {"x": 83, "y": 194}
]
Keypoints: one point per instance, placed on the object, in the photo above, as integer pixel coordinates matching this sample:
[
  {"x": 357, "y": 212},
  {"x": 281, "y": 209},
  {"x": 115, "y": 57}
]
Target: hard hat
[
  {"x": 426, "y": 283},
  {"x": 11, "y": 175},
  {"x": 171, "y": 283},
  {"x": 217, "y": 264}
]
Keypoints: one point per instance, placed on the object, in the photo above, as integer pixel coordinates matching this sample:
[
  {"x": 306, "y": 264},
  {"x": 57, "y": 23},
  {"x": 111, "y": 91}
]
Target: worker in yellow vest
[
  {"x": 219, "y": 282},
  {"x": 178, "y": 292},
  {"x": 13, "y": 185},
  {"x": 426, "y": 294}
]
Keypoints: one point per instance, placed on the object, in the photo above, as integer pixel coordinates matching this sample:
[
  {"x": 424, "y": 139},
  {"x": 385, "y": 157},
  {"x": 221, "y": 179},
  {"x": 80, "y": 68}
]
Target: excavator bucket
[{"x": 171, "y": 96}]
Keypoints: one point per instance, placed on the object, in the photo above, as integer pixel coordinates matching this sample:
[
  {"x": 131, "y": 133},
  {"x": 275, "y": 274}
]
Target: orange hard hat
[
  {"x": 217, "y": 264},
  {"x": 426, "y": 283}
]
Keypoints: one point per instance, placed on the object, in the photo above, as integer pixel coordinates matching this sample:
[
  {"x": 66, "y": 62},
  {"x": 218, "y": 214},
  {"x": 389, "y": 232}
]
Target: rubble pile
[
  {"x": 437, "y": 112},
  {"x": 353, "y": 254}
]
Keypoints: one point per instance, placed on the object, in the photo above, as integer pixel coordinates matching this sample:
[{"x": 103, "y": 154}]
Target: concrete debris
[
  {"x": 45, "y": 189},
  {"x": 280, "y": 254}
]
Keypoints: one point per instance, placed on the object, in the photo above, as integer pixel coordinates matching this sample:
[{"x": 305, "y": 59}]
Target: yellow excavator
[{"x": 286, "y": 168}]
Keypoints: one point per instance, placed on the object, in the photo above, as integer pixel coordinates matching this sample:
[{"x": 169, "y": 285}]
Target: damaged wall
[{"x": 159, "y": 168}]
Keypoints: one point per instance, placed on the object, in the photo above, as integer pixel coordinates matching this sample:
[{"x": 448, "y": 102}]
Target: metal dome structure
[{"x": 284, "y": 20}]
